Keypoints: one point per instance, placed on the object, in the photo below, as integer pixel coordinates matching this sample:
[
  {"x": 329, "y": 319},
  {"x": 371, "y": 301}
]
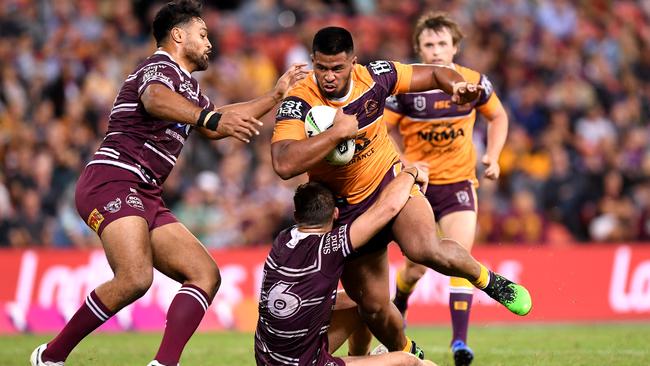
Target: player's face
[
  {"x": 436, "y": 47},
  {"x": 333, "y": 73},
  {"x": 197, "y": 46}
]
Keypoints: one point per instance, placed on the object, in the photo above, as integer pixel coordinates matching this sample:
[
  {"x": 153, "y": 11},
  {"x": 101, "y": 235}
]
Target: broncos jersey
[{"x": 375, "y": 154}]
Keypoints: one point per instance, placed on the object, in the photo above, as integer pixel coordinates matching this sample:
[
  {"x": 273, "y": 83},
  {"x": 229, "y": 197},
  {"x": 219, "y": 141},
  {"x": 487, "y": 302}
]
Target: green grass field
[{"x": 611, "y": 344}]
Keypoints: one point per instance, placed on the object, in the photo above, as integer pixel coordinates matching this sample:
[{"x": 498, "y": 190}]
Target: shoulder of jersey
[
  {"x": 470, "y": 75},
  {"x": 305, "y": 86},
  {"x": 363, "y": 74}
]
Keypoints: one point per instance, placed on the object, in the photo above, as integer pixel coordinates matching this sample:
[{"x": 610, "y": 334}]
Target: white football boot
[{"x": 35, "y": 358}]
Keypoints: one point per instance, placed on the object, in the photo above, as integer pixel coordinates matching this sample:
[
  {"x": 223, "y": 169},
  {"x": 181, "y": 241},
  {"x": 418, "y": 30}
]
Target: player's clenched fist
[
  {"x": 346, "y": 124},
  {"x": 238, "y": 126},
  {"x": 492, "y": 169},
  {"x": 465, "y": 92}
]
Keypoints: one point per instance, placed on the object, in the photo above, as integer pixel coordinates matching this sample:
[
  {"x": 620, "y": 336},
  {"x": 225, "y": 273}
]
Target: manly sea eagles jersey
[{"x": 139, "y": 142}]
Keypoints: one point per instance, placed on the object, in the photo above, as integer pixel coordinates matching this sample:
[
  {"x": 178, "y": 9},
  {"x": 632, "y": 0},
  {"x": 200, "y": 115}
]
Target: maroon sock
[
  {"x": 183, "y": 317},
  {"x": 459, "y": 305},
  {"x": 89, "y": 317}
]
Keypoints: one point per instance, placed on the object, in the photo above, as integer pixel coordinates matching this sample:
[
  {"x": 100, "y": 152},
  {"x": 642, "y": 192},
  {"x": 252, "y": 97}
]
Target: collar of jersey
[
  {"x": 297, "y": 234},
  {"x": 161, "y": 52}
]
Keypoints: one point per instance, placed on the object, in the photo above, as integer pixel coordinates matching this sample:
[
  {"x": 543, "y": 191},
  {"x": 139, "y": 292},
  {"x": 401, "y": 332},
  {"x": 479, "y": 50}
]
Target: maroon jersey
[
  {"x": 301, "y": 275},
  {"x": 139, "y": 142}
]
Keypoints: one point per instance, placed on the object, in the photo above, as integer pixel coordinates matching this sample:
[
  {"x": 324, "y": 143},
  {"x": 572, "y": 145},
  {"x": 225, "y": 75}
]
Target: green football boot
[{"x": 509, "y": 294}]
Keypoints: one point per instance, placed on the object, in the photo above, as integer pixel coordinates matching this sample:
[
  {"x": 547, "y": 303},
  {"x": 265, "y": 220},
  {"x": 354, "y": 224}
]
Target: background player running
[
  {"x": 438, "y": 133},
  {"x": 119, "y": 192},
  {"x": 360, "y": 91}
]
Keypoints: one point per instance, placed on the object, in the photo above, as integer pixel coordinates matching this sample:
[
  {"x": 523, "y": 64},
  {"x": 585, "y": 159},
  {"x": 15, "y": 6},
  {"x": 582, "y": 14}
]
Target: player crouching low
[{"x": 297, "y": 325}]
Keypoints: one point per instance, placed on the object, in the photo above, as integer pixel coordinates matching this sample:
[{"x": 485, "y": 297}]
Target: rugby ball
[{"x": 319, "y": 119}]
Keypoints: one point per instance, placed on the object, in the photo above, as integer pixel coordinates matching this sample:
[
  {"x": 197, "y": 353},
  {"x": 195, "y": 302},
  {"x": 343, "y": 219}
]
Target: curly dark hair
[{"x": 172, "y": 14}]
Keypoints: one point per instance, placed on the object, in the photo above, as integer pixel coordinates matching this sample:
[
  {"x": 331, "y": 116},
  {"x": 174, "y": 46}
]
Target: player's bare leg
[
  {"x": 406, "y": 278},
  {"x": 127, "y": 248},
  {"x": 178, "y": 254},
  {"x": 387, "y": 359},
  {"x": 365, "y": 280},
  {"x": 414, "y": 230},
  {"x": 346, "y": 324}
]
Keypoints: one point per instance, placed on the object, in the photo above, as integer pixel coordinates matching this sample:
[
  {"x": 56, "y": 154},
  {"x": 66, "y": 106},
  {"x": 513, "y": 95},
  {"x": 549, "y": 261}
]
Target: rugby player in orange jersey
[
  {"x": 438, "y": 133},
  {"x": 360, "y": 93}
]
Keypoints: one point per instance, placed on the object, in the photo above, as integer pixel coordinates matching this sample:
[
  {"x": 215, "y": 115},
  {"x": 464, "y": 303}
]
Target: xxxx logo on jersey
[{"x": 95, "y": 219}]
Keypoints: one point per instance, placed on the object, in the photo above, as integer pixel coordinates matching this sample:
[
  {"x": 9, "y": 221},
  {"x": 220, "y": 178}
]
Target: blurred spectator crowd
[{"x": 574, "y": 77}]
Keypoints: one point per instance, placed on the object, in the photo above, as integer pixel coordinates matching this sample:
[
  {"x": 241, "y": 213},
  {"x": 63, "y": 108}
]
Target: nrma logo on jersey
[{"x": 441, "y": 135}]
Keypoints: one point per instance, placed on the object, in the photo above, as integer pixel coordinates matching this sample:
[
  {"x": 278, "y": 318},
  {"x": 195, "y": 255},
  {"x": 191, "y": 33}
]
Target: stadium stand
[{"x": 573, "y": 76}]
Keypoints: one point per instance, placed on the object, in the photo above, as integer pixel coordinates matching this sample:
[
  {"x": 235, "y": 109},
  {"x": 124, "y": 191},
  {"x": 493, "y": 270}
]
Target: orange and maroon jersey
[
  {"x": 438, "y": 131},
  {"x": 369, "y": 87}
]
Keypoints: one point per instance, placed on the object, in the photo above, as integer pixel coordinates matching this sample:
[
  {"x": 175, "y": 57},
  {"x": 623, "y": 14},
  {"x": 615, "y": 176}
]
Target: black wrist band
[
  {"x": 213, "y": 121},
  {"x": 201, "y": 121},
  {"x": 209, "y": 119}
]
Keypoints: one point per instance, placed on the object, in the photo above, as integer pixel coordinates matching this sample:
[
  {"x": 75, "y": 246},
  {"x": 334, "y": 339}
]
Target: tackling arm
[
  {"x": 388, "y": 205},
  {"x": 263, "y": 104},
  {"x": 256, "y": 108},
  {"x": 163, "y": 103}
]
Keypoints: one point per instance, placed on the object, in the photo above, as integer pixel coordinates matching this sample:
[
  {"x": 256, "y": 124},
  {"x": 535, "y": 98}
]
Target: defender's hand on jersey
[
  {"x": 492, "y": 169},
  {"x": 346, "y": 125},
  {"x": 238, "y": 126},
  {"x": 295, "y": 73},
  {"x": 422, "y": 166},
  {"x": 465, "y": 92},
  {"x": 422, "y": 174}
]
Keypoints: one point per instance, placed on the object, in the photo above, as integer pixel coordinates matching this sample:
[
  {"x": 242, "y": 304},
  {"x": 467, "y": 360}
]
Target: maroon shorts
[
  {"x": 105, "y": 193},
  {"x": 453, "y": 197},
  {"x": 349, "y": 212}
]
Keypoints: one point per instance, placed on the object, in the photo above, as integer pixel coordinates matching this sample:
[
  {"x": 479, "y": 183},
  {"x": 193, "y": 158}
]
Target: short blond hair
[{"x": 436, "y": 21}]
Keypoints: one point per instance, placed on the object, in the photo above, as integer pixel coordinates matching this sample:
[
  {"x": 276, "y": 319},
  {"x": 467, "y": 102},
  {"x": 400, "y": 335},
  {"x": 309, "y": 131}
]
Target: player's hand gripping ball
[{"x": 321, "y": 118}]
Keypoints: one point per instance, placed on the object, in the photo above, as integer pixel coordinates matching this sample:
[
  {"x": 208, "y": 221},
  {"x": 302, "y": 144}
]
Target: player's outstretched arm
[
  {"x": 294, "y": 157},
  {"x": 388, "y": 205},
  {"x": 427, "y": 77},
  {"x": 258, "y": 107},
  {"x": 163, "y": 103},
  {"x": 261, "y": 105}
]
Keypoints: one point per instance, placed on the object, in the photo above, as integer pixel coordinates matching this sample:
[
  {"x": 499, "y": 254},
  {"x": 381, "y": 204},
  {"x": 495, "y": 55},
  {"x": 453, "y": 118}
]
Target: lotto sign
[{"x": 41, "y": 289}]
